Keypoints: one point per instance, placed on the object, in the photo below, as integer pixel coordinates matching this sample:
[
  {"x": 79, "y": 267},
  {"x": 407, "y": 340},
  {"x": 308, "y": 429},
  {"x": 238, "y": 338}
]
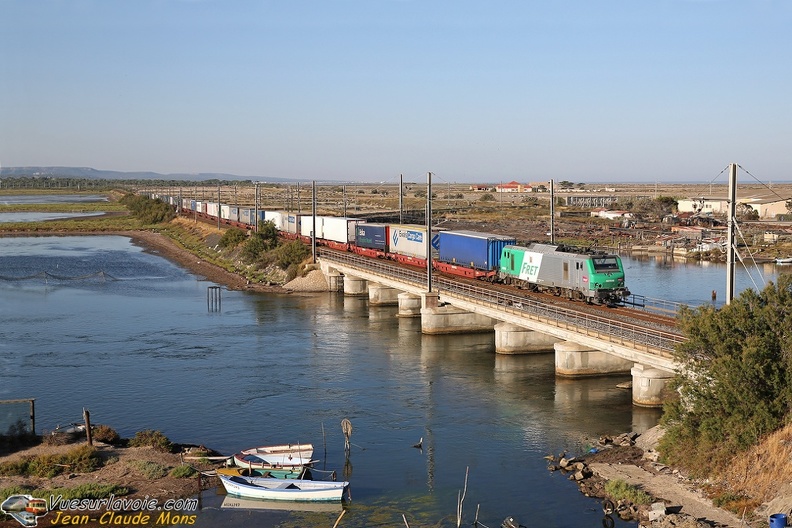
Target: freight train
[{"x": 574, "y": 273}]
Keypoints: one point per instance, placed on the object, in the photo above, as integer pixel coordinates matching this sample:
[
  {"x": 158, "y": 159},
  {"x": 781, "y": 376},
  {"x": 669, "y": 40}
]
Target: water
[
  {"x": 40, "y": 217},
  {"x": 8, "y": 199},
  {"x": 139, "y": 348},
  {"x": 692, "y": 282},
  {"x": 30, "y": 199}
]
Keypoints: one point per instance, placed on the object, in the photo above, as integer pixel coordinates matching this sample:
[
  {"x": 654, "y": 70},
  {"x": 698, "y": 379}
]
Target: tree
[
  {"x": 659, "y": 207},
  {"x": 147, "y": 210},
  {"x": 735, "y": 381},
  {"x": 232, "y": 237},
  {"x": 269, "y": 234}
]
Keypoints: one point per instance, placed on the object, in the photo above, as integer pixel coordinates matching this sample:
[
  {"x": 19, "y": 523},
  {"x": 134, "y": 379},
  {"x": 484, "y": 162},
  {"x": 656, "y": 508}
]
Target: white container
[
  {"x": 409, "y": 240},
  {"x": 277, "y": 218},
  {"x": 339, "y": 228},
  {"x": 307, "y": 226}
]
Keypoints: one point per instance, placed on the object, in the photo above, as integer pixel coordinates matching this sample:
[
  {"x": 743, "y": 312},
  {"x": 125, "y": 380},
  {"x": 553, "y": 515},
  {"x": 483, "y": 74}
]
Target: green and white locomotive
[{"x": 564, "y": 271}]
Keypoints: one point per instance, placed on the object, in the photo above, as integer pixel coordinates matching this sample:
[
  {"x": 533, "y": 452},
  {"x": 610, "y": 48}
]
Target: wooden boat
[
  {"x": 267, "y": 457},
  {"x": 71, "y": 428},
  {"x": 231, "y": 502},
  {"x": 286, "y": 451},
  {"x": 256, "y": 462},
  {"x": 295, "y": 472},
  {"x": 289, "y": 490}
]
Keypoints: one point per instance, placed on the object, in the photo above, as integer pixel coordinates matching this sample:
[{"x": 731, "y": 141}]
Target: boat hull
[
  {"x": 283, "y": 490},
  {"x": 256, "y": 462},
  {"x": 286, "y": 455},
  {"x": 278, "y": 473}
]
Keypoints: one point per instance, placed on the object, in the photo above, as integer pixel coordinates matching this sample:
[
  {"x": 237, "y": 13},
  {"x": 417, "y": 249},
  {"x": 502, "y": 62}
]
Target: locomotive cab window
[{"x": 605, "y": 264}]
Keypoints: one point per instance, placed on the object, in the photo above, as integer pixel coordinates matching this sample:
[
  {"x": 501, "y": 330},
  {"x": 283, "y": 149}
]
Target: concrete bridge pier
[
  {"x": 335, "y": 280},
  {"x": 648, "y": 385},
  {"x": 381, "y": 295},
  {"x": 513, "y": 339},
  {"x": 355, "y": 286},
  {"x": 447, "y": 319},
  {"x": 573, "y": 360},
  {"x": 409, "y": 305}
]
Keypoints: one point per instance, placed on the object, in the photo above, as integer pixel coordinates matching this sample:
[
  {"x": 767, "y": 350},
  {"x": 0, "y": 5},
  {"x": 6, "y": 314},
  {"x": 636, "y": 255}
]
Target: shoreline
[{"x": 160, "y": 244}]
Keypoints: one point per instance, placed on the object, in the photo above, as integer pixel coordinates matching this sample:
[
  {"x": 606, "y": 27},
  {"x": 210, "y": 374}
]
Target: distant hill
[{"x": 96, "y": 174}]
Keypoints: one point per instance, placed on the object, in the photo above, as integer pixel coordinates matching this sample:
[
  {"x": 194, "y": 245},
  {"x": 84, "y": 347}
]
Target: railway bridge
[{"x": 585, "y": 343}]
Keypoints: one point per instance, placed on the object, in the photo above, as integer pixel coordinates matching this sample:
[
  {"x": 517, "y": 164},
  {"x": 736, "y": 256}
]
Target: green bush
[
  {"x": 183, "y": 471},
  {"x": 150, "y": 438},
  {"x": 81, "y": 459},
  {"x": 232, "y": 238},
  {"x": 105, "y": 433},
  {"x": 151, "y": 470},
  {"x": 14, "y": 490},
  {"x": 293, "y": 252},
  {"x": 15, "y": 467},
  {"x": 254, "y": 248},
  {"x": 620, "y": 490},
  {"x": 147, "y": 210}
]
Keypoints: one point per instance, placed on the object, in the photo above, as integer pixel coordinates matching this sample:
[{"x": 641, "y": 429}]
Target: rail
[{"x": 612, "y": 330}]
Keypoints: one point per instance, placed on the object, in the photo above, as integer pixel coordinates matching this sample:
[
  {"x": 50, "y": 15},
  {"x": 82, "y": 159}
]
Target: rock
[
  {"x": 676, "y": 520},
  {"x": 314, "y": 281}
]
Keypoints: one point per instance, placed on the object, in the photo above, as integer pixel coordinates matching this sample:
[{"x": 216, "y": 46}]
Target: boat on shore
[
  {"x": 283, "y": 490},
  {"x": 297, "y": 472},
  {"x": 278, "y": 455},
  {"x": 274, "y": 457},
  {"x": 256, "y": 462},
  {"x": 231, "y": 502}
]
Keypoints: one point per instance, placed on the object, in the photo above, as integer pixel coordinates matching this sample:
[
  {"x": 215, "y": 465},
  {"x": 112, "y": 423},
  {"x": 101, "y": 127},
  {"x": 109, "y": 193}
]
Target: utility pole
[
  {"x": 731, "y": 231},
  {"x": 218, "y": 205},
  {"x": 255, "y": 210},
  {"x": 552, "y": 212},
  {"x": 313, "y": 210},
  {"x": 429, "y": 232},
  {"x": 401, "y": 195}
]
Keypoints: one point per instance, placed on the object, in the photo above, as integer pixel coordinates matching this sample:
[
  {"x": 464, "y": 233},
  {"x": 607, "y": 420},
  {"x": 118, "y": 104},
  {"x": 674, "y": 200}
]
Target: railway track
[{"x": 627, "y": 326}]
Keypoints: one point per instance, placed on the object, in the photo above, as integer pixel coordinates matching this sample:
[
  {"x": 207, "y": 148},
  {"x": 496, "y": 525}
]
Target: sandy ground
[{"x": 119, "y": 469}]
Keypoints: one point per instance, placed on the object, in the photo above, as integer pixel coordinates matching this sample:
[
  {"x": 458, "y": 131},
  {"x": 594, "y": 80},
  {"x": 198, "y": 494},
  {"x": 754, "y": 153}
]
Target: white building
[{"x": 768, "y": 206}]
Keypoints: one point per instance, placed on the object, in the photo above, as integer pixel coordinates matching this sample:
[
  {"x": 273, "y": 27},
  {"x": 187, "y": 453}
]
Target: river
[{"x": 140, "y": 348}]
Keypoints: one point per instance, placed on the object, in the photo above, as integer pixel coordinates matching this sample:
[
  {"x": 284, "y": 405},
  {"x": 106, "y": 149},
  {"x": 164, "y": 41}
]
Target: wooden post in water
[
  {"x": 87, "y": 418},
  {"x": 213, "y": 301}
]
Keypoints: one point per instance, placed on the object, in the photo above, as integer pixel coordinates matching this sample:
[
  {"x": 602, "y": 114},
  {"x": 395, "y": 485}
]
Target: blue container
[
  {"x": 778, "y": 520},
  {"x": 473, "y": 249},
  {"x": 371, "y": 236}
]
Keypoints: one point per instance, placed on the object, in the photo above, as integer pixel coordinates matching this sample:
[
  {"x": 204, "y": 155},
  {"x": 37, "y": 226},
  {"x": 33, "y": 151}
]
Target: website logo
[{"x": 25, "y": 509}]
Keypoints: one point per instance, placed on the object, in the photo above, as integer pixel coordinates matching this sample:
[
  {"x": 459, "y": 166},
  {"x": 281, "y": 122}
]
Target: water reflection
[
  {"x": 41, "y": 217},
  {"x": 692, "y": 282}
]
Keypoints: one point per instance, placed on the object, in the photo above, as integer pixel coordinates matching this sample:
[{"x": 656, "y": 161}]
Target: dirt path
[{"x": 671, "y": 490}]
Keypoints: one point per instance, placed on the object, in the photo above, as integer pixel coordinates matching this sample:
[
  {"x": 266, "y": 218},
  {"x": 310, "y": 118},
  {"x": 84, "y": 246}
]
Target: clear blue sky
[{"x": 365, "y": 90}]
